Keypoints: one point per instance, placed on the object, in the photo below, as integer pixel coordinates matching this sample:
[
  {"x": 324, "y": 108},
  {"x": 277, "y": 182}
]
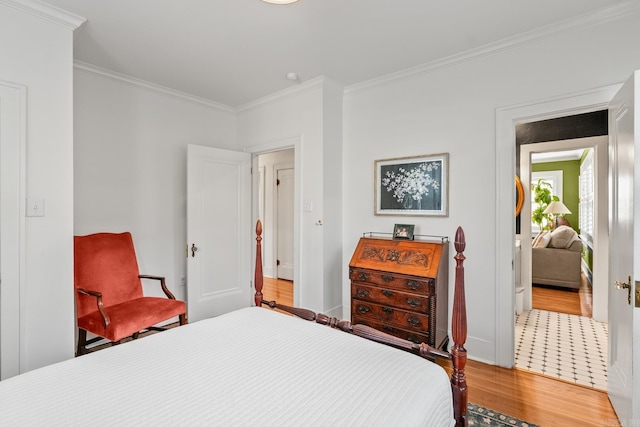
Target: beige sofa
[{"x": 559, "y": 263}]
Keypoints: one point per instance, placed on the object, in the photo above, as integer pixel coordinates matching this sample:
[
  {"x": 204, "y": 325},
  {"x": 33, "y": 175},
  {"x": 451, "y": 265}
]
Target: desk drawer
[
  {"x": 393, "y": 298},
  {"x": 391, "y": 316},
  {"x": 412, "y": 336},
  {"x": 424, "y": 286}
]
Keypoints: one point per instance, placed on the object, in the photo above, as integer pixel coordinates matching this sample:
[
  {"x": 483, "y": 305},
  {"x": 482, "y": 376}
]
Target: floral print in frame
[{"x": 412, "y": 185}]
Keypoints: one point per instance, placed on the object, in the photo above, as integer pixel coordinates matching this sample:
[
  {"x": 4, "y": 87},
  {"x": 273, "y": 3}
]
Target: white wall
[
  {"x": 298, "y": 113},
  {"x": 333, "y": 95},
  {"x": 452, "y": 109},
  {"x": 130, "y": 166},
  {"x": 37, "y": 53}
]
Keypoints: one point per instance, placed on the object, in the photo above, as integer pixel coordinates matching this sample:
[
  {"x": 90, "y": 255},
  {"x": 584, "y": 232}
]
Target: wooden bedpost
[
  {"x": 258, "y": 280},
  {"x": 459, "y": 332}
]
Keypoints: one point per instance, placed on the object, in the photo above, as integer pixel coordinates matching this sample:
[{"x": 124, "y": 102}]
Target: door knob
[
  {"x": 193, "y": 250},
  {"x": 625, "y": 285}
]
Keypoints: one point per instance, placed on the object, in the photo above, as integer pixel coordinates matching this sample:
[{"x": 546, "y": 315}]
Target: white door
[
  {"x": 12, "y": 202},
  {"x": 285, "y": 185},
  {"x": 218, "y": 231},
  {"x": 623, "y": 317}
]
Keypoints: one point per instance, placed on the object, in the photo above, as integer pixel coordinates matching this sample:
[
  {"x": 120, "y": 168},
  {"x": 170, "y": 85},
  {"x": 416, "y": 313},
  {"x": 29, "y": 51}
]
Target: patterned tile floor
[{"x": 565, "y": 346}]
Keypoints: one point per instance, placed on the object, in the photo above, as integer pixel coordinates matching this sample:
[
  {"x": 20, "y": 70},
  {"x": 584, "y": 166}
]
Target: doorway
[
  {"x": 276, "y": 210},
  {"x": 557, "y": 321},
  {"x": 506, "y": 120}
]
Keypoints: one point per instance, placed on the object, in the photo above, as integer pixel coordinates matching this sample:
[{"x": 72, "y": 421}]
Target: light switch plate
[
  {"x": 307, "y": 206},
  {"x": 35, "y": 206}
]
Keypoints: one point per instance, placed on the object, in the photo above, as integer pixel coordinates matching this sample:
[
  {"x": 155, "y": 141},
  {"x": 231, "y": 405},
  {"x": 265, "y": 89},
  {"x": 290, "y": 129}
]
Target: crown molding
[
  {"x": 284, "y": 94},
  {"x": 47, "y": 12},
  {"x": 595, "y": 17},
  {"x": 79, "y": 65}
]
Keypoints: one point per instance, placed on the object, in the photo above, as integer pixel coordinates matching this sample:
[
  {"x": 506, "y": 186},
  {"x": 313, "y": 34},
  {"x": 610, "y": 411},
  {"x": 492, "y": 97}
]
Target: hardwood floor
[
  {"x": 536, "y": 398},
  {"x": 563, "y": 300},
  {"x": 278, "y": 290}
]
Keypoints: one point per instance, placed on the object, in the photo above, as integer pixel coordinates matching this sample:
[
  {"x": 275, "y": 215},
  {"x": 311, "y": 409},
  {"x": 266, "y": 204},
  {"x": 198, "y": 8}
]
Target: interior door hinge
[
  {"x": 277, "y": 262},
  {"x": 278, "y": 181}
]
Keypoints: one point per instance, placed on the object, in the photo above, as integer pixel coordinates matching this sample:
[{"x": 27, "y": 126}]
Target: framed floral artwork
[{"x": 412, "y": 186}]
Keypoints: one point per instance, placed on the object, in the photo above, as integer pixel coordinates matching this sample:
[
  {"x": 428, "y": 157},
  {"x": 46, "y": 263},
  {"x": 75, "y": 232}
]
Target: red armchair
[{"x": 109, "y": 298}]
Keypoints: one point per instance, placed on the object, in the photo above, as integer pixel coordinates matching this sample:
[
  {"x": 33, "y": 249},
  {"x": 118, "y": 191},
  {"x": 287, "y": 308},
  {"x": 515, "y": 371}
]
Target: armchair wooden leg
[
  {"x": 183, "y": 319},
  {"x": 82, "y": 342}
]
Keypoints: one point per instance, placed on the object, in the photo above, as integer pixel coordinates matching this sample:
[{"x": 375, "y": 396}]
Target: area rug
[{"x": 479, "y": 416}]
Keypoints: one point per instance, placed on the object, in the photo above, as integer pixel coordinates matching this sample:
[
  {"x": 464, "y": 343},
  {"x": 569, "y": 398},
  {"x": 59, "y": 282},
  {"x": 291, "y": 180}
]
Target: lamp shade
[{"x": 557, "y": 207}]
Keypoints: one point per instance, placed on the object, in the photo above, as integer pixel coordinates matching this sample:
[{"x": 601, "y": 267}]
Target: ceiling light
[{"x": 280, "y": 1}]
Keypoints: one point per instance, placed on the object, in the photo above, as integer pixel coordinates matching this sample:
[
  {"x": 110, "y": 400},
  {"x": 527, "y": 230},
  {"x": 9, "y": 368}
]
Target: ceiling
[
  {"x": 236, "y": 51},
  {"x": 557, "y": 156}
]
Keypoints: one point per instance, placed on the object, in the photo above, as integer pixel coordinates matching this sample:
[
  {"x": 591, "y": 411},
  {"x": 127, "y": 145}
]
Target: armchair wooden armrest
[
  {"x": 163, "y": 284},
  {"x": 101, "y": 309}
]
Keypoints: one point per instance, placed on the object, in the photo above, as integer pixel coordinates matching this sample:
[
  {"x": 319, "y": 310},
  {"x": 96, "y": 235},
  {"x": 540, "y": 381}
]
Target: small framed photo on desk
[{"x": 403, "y": 231}]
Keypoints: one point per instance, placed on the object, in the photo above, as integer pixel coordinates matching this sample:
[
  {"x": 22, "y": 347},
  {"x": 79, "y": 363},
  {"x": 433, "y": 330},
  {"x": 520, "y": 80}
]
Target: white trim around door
[{"x": 506, "y": 119}]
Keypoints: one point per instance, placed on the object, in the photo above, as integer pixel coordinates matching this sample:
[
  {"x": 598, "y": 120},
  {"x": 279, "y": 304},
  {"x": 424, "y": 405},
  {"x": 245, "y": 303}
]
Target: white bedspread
[{"x": 239, "y": 369}]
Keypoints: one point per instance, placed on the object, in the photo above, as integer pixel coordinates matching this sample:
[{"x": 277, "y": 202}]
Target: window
[{"x": 586, "y": 206}]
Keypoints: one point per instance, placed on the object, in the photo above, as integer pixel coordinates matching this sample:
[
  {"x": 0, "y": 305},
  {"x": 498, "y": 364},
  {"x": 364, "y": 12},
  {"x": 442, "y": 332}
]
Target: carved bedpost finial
[
  {"x": 460, "y": 242},
  {"x": 459, "y": 332},
  {"x": 258, "y": 279}
]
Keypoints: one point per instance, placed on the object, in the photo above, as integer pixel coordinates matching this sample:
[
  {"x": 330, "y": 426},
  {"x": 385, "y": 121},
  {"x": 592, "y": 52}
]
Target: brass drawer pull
[
  {"x": 413, "y": 302},
  {"x": 413, "y": 321},
  {"x": 387, "y": 293},
  {"x": 363, "y": 276},
  {"x": 363, "y": 293},
  {"x": 387, "y": 310},
  {"x": 387, "y": 278},
  {"x": 363, "y": 309},
  {"x": 412, "y": 284}
]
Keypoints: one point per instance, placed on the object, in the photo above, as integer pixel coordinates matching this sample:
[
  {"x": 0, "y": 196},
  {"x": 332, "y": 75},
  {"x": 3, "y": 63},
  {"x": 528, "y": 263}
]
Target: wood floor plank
[
  {"x": 536, "y": 398},
  {"x": 278, "y": 290},
  {"x": 564, "y": 300}
]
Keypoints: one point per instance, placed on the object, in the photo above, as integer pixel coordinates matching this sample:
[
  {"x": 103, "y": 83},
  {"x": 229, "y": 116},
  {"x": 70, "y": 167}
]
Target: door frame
[
  {"x": 12, "y": 230},
  {"x": 506, "y": 120},
  {"x": 295, "y": 142},
  {"x": 600, "y": 146}
]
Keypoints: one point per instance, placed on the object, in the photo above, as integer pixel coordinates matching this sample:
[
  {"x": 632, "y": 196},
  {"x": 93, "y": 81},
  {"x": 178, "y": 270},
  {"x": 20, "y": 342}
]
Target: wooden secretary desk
[{"x": 401, "y": 287}]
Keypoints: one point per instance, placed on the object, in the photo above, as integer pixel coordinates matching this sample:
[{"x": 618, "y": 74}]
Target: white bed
[{"x": 249, "y": 367}]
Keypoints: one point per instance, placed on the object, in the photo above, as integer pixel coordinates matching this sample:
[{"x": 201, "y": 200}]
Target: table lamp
[{"x": 556, "y": 208}]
